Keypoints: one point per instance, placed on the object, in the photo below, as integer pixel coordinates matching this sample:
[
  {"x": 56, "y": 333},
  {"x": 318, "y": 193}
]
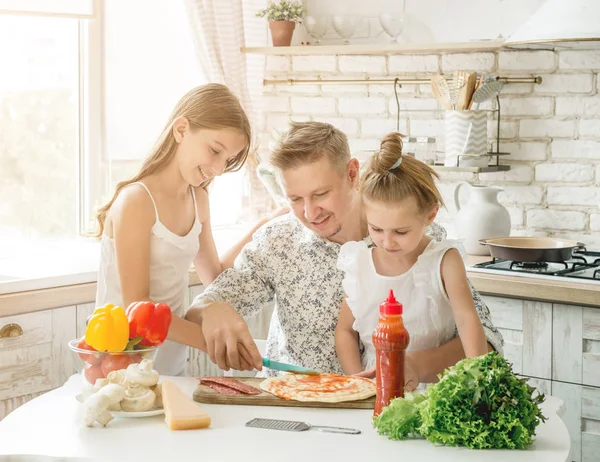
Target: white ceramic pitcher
[{"x": 482, "y": 217}]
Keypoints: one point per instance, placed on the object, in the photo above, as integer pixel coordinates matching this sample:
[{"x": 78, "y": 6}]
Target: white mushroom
[
  {"x": 157, "y": 389},
  {"x": 142, "y": 374},
  {"x": 95, "y": 408},
  {"x": 118, "y": 377},
  {"x": 138, "y": 398},
  {"x": 100, "y": 383}
]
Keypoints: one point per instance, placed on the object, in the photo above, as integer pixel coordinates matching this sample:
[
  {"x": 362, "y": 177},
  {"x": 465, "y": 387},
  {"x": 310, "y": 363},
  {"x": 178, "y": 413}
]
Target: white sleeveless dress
[
  {"x": 170, "y": 258},
  {"x": 427, "y": 312}
]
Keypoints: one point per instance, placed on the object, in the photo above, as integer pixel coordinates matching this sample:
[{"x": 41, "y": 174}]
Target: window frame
[{"x": 93, "y": 178}]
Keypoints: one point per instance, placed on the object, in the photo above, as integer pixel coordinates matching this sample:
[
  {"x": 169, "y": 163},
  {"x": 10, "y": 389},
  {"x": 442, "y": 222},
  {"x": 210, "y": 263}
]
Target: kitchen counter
[
  {"x": 554, "y": 290},
  {"x": 49, "y": 427}
]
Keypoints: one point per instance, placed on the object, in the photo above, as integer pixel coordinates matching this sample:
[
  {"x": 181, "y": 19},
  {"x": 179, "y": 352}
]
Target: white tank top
[
  {"x": 427, "y": 312},
  {"x": 170, "y": 258}
]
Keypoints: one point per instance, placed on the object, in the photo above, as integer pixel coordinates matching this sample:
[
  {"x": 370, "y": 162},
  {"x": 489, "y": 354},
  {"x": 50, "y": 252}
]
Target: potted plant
[{"x": 282, "y": 16}]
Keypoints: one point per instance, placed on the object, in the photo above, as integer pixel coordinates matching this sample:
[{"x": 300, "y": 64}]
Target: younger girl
[
  {"x": 158, "y": 222},
  {"x": 400, "y": 200}
]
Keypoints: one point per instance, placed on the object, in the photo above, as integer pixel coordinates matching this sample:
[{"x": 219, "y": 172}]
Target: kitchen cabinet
[
  {"x": 38, "y": 359},
  {"x": 558, "y": 346},
  {"x": 527, "y": 330}
]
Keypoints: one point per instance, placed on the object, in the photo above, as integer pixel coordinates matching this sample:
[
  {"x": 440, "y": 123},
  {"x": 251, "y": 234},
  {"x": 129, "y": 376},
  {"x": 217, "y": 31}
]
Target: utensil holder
[{"x": 466, "y": 139}]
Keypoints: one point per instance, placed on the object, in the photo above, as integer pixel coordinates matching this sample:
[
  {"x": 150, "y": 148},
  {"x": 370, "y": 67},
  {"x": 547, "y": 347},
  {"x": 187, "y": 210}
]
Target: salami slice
[
  {"x": 222, "y": 389},
  {"x": 232, "y": 383}
]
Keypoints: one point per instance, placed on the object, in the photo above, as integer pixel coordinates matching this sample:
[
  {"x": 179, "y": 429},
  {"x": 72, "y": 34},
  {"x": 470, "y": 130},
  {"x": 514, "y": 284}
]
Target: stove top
[{"x": 584, "y": 266}]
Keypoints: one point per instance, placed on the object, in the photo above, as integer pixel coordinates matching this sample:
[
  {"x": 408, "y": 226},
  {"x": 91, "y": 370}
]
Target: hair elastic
[{"x": 397, "y": 163}]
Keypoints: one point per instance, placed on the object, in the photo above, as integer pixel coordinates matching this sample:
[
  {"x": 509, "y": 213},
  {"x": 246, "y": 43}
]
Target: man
[{"x": 293, "y": 260}]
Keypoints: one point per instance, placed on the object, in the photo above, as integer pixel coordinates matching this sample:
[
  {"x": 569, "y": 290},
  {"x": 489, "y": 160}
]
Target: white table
[{"x": 49, "y": 428}]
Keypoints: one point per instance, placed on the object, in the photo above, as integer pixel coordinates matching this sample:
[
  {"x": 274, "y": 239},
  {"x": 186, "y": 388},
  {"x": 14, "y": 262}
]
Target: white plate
[{"x": 130, "y": 414}]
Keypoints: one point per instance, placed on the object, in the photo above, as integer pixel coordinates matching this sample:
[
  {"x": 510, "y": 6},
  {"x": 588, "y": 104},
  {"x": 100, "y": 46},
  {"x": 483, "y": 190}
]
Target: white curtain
[{"x": 220, "y": 28}]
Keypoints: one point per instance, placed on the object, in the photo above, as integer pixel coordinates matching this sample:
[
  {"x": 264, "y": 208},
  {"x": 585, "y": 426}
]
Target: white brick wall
[
  {"x": 348, "y": 125},
  {"x": 472, "y": 61},
  {"x": 589, "y": 128},
  {"x": 313, "y": 63},
  {"x": 526, "y": 60},
  {"x": 578, "y": 105},
  {"x": 551, "y": 130},
  {"x": 276, "y": 104},
  {"x": 517, "y": 174},
  {"x": 560, "y": 84},
  {"x": 575, "y": 149},
  {"x": 527, "y": 151},
  {"x": 579, "y": 60},
  {"x": 362, "y": 64},
  {"x": 413, "y": 104},
  {"x": 373, "y": 126},
  {"x": 277, "y": 64},
  {"x": 508, "y": 129},
  {"x": 527, "y": 106},
  {"x": 363, "y": 106},
  {"x": 313, "y": 105},
  {"x": 547, "y": 128},
  {"x": 564, "y": 173},
  {"x": 521, "y": 195},
  {"x": 417, "y": 63},
  {"x": 581, "y": 195},
  {"x": 517, "y": 217},
  {"x": 554, "y": 219}
]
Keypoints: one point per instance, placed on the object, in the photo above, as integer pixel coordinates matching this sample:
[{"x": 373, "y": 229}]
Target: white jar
[{"x": 482, "y": 217}]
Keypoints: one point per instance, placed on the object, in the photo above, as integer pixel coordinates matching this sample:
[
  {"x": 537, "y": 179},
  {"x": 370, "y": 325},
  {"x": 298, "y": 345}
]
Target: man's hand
[
  {"x": 228, "y": 340},
  {"x": 411, "y": 376}
]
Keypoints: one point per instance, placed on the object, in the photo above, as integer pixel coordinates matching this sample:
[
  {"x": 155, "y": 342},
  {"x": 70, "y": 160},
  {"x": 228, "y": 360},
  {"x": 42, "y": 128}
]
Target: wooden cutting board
[{"x": 204, "y": 394}]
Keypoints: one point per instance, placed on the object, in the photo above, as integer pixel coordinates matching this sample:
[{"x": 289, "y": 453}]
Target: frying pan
[{"x": 531, "y": 249}]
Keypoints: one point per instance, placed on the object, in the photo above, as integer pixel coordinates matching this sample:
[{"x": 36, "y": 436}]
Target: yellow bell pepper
[{"x": 108, "y": 329}]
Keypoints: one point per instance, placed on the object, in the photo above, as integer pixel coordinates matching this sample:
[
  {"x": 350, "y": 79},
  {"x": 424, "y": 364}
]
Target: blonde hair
[
  {"x": 308, "y": 142},
  {"x": 212, "y": 106},
  {"x": 411, "y": 178}
]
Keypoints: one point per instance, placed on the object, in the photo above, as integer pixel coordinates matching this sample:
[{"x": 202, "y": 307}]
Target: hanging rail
[{"x": 537, "y": 80}]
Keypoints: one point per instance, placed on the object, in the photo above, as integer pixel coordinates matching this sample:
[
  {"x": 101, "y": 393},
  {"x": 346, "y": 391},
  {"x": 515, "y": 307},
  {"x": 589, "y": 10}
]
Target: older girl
[{"x": 158, "y": 222}]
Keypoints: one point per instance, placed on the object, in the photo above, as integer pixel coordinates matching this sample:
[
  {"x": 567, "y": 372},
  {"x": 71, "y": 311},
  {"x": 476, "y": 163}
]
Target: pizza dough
[{"x": 326, "y": 388}]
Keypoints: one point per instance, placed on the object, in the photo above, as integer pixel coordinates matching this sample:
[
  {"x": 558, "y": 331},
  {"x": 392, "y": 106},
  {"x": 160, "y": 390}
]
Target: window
[
  {"x": 86, "y": 86},
  {"x": 39, "y": 129}
]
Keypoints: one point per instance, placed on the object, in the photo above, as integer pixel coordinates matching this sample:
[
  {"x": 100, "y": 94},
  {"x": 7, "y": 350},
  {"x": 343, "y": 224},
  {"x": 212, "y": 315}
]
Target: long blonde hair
[
  {"x": 385, "y": 180},
  {"x": 212, "y": 106}
]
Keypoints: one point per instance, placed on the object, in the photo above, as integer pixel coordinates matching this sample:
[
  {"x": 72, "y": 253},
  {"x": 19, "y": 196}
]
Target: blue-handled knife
[{"x": 287, "y": 367}]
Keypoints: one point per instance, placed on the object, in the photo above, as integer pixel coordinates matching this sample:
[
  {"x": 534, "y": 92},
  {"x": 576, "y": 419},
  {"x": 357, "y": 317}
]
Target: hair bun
[{"x": 390, "y": 151}]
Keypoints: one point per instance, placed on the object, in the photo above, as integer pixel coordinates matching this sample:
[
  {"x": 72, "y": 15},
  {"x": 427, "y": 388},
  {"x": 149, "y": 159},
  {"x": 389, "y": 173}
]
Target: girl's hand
[{"x": 411, "y": 377}]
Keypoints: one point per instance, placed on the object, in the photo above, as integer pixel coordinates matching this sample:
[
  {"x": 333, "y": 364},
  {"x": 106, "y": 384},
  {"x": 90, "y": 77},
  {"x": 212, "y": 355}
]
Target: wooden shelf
[{"x": 379, "y": 48}]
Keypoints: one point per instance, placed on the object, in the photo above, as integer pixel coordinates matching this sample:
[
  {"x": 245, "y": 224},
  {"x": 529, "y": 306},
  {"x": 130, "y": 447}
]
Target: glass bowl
[{"x": 96, "y": 364}]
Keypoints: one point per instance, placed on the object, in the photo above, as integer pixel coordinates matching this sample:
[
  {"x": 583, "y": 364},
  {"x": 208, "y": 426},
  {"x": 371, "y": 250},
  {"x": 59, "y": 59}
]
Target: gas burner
[
  {"x": 529, "y": 265},
  {"x": 583, "y": 266}
]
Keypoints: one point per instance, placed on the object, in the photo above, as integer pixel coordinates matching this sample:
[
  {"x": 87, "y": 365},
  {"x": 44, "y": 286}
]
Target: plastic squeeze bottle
[{"x": 390, "y": 339}]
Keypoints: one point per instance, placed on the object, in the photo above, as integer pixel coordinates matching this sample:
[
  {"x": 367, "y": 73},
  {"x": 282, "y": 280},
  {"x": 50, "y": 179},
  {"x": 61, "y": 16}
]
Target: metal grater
[{"x": 292, "y": 426}]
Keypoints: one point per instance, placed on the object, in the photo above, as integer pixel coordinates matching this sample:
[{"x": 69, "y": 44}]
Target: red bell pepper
[{"x": 149, "y": 321}]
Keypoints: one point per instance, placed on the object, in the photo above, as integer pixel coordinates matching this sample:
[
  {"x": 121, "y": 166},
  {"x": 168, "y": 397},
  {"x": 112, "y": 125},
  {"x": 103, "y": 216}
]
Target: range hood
[{"x": 560, "y": 24}]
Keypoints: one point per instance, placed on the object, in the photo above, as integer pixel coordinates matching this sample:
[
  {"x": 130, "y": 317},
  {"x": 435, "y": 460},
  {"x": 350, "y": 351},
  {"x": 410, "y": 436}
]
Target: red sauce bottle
[{"x": 390, "y": 339}]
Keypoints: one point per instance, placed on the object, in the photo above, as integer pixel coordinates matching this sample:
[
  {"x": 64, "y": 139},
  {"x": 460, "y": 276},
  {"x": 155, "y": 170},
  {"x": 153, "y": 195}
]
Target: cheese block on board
[{"x": 181, "y": 412}]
